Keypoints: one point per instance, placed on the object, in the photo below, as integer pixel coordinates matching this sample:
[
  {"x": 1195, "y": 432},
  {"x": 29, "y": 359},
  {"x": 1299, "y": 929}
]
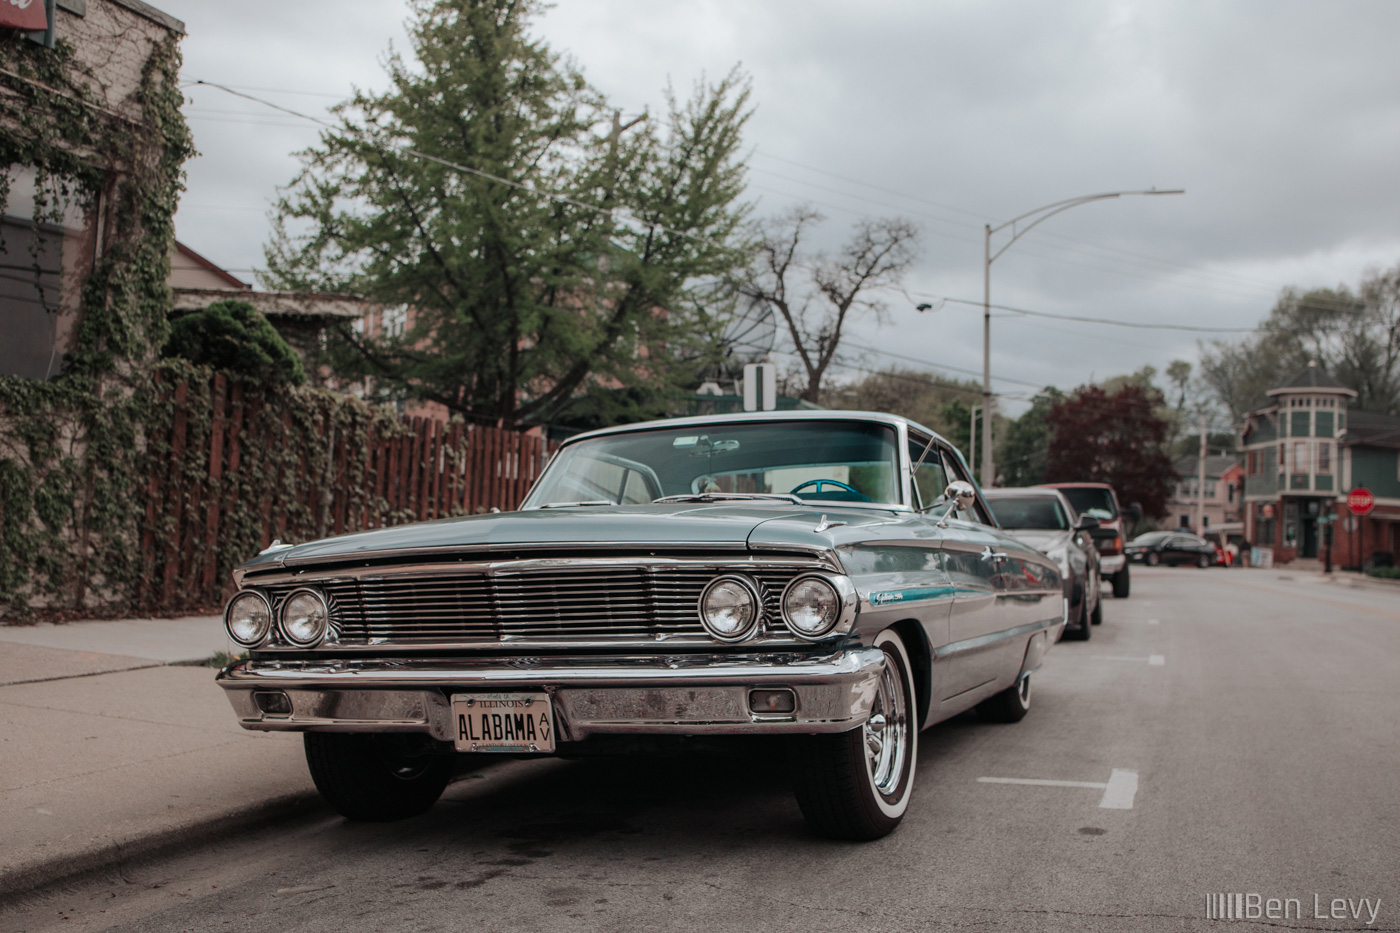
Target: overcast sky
[{"x": 1280, "y": 119}]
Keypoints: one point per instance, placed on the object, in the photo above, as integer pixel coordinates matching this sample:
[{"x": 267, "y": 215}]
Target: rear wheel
[
  {"x": 856, "y": 785},
  {"x": 1202, "y": 561},
  {"x": 375, "y": 778},
  {"x": 1152, "y": 559},
  {"x": 1121, "y": 583},
  {"x": 1010, "y": 705}
]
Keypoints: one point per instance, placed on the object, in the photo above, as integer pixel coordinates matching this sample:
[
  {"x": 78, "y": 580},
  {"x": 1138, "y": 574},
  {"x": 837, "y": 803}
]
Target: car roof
[
  {"x": 760, "y": 417},
  {"x": 1047, "y": 491}
]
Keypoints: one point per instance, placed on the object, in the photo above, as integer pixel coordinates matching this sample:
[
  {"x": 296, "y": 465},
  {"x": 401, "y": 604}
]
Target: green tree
[
  {"x": 931, "y": 399},
  {"x": 1025, "y": 444},
  {"x": 1355, "y": 336},
  {"x": 233, "y": 336},
  {"x": 545, "y": 247}
]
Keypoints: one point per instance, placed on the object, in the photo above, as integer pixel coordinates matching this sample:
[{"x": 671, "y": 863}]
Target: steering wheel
[{"x": 832, "y": 482}]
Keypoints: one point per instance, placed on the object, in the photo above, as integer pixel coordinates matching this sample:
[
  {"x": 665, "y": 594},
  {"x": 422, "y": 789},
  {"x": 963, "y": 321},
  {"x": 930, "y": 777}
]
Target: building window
[
  {"x": 395, "y": 321},
  {"x": 1324, "y": 458},
  {"x": 1300, "y": 456}
]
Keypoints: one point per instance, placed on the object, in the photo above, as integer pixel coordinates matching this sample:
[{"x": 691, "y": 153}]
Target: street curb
[{"x": 32, "y": 878}]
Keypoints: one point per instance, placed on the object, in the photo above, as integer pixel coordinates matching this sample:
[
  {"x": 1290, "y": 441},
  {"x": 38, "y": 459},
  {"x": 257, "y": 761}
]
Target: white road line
[
  {"x": 1096, "y": 785},
  {"x": 1152, "y": 622},
  {"x": 1118, "y": 793},
  {"x": 1155, "y": 660},
  {"x": 1121, "y": 789}
]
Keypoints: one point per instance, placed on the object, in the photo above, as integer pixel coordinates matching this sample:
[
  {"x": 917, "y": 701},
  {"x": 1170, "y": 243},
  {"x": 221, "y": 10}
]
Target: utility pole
[
  {"x": 1201, "y": 480},
  {"x": 972, "y": 436}
]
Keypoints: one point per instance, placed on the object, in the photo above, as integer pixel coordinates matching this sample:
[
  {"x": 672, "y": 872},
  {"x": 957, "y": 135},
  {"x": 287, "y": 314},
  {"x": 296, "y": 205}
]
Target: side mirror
[{"x": 1087, "y": 523}]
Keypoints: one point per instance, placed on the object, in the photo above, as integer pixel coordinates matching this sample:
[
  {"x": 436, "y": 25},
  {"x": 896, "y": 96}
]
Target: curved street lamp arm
[{"x": 1050, "y": 210}]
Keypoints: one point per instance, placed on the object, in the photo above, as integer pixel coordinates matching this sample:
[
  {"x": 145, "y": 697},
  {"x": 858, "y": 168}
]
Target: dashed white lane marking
[
  {"x": 1153, "y": 621},
  {"x": 1121, "y": 789},
  {"x": 1156, "y": 660},
  {"x": 1140, "y": 622},
  {"x": 1097, "y": 785},
  {"x": 1118, "y": 793}
]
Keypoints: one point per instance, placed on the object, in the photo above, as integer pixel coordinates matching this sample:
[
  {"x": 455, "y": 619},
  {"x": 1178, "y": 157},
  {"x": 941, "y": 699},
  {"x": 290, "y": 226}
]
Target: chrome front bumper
[
  {"x": 677, "y": 695},
  {"x": 1111, "y": 565}
]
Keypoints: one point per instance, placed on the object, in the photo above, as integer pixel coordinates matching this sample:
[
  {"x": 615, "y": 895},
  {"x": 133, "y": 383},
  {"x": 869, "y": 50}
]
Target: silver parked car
[
  {"x": 831, "y": 578},
  {"x": 1043, "y": 518}
]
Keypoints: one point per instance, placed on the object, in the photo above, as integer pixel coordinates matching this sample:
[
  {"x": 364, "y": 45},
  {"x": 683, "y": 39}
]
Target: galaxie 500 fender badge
[{"x": 880, "y": 599}]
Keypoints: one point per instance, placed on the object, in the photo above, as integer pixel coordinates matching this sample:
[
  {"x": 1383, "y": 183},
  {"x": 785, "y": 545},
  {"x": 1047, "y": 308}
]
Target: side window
[{"x": 931, "y": 478}]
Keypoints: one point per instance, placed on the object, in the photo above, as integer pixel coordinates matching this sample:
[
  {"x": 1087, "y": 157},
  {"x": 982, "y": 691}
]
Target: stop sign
[{"x": 1360, "y": 500}]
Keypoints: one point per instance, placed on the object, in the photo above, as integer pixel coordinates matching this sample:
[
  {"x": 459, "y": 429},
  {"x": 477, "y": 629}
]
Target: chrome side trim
[{"x": 982, "y": 641}]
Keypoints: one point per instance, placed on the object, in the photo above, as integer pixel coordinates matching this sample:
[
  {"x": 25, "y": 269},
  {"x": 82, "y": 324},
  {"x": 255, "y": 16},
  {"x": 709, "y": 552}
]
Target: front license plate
[{"x": 503, "y": 722}]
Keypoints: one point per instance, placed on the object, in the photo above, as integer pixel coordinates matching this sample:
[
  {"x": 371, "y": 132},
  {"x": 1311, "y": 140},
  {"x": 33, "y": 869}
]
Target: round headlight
[
  {"x": 248, "y": 618},
  {"x": 305, "y": 617},
  {"x": 729, "y": 608},
  {"x": 811, "y": 607}
]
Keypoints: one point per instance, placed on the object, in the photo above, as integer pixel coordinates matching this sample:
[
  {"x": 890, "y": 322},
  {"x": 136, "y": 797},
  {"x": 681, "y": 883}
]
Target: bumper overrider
[{"x": 678, "y": 695}]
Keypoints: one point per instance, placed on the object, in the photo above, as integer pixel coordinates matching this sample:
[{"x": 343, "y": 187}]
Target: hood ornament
[{"x": 823, "y": 525}]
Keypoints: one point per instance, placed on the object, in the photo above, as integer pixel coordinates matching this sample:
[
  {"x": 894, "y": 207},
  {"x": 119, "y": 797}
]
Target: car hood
[
  {"x": 1042, "y": 540},
  {"x": 669, "y": 525}
]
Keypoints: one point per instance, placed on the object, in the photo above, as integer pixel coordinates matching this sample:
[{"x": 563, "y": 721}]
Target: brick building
[
  {"x": 1221, "y": 501},
  {"x": 46, "y": 264}
]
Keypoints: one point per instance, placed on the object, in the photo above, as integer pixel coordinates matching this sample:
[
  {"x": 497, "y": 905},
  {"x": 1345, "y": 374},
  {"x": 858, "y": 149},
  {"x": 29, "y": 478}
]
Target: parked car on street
[
  {"x": 833, "y": 579},
  {"x": 1100, "y": 501},
  {"x": 1171, "y": 547},
  {"x": 1044, "y": 519}
]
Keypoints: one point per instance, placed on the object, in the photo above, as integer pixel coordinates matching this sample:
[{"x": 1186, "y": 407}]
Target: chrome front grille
[{"x": 567, "y": 602}]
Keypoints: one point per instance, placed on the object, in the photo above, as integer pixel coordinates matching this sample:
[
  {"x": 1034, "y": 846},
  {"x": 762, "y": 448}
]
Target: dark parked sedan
[{"x": 1171, "y": 547}]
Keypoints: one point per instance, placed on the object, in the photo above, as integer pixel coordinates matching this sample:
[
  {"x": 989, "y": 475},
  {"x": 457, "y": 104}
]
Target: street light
[{"x": 1040, "y": 214}]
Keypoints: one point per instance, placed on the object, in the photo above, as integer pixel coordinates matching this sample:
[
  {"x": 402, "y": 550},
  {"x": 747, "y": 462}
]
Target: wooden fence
[{"x": 232, "y": 470}]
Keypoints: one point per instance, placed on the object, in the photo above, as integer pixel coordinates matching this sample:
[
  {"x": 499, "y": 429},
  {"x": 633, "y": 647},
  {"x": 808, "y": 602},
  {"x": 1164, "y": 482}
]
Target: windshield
[
  {"x": 1029, "y": 512},
  {"x": 834, "y": 461},
  {"x": 1095, "y": 501}
]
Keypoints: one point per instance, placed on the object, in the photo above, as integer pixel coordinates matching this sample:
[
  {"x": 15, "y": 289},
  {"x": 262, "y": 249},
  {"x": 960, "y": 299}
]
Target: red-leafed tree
[{"x": 1115, "y": 438}]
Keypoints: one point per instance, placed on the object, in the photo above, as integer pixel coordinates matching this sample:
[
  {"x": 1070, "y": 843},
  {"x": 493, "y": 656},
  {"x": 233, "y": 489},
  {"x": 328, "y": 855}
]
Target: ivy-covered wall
[{"x": 96, "y": 122}]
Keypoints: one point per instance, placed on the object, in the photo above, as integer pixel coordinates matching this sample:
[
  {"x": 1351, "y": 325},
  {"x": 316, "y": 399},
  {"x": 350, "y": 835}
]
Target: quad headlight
[
  {"x": 730, "y": 608},
  {"x": 305, "y": 618},
  {"x": 248, "y": 618},
  {"x": 811, "y": 607}
]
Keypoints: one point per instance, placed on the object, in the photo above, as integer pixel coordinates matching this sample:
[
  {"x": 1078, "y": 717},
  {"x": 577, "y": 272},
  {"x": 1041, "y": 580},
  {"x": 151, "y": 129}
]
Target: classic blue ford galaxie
[{"x": 831, "y": 579}]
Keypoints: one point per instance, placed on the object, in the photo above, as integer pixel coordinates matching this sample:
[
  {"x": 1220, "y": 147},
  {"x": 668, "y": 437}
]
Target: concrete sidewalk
[{"x": 112, "y": 746}]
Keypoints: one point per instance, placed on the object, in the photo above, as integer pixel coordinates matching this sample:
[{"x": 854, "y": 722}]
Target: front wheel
[
  {"x": 1121, "y": 583},
  {"x": 1153, "y": 558},
  {"x": 1096, "y": 617},
  {"x": 856, "y": 785},
  {"x": 374, "y": 778}
]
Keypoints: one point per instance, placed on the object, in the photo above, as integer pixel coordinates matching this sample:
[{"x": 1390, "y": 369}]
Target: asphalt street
[{"x": 1222, "y": 733}]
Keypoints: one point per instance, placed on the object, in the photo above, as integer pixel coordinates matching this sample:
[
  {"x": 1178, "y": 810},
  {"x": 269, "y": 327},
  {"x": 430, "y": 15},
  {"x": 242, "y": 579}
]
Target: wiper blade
[
  {"x": 722, "y": 496},
  {"x": 570, "y": 505}
]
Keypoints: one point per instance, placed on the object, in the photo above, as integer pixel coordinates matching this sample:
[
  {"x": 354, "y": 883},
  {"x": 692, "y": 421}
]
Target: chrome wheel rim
[
  {"x": 1024, "y": 692},
  {"x": 887, "y": 733}
]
